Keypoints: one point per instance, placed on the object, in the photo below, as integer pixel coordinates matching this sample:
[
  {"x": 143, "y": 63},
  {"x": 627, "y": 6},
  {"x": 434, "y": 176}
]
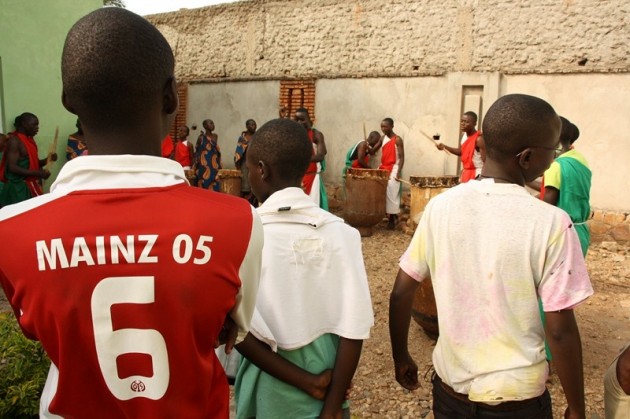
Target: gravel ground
[{"x": 603, "y": 322}]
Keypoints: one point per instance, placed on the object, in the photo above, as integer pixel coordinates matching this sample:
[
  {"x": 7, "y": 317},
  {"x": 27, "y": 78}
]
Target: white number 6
[{"x": 112, "y": 343}]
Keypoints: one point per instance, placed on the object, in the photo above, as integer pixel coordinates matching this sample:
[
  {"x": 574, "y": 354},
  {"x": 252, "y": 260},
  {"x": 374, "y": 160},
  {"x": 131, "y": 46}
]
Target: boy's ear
[
  {"x": 66, "y": 103},
  {"x": 524, "y": 160},
  {"x": 170, "y": 96},
  {"x": 263, "y": 170}
]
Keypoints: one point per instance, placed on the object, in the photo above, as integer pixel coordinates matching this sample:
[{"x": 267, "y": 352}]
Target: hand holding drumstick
[{"x": 433, "y": 140}]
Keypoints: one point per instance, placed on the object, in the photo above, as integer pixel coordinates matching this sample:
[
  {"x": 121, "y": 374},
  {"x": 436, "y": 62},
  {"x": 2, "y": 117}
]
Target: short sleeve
[
  {"x": 250, "y": 276},
  {"x": 565, "y": 282},
  {"x": 553, "y": 176},
  {"x": 414, "y": 262}
]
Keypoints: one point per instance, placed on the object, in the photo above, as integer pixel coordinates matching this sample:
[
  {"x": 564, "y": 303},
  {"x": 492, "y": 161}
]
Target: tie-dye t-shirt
[{"x": 491, "y": 250}]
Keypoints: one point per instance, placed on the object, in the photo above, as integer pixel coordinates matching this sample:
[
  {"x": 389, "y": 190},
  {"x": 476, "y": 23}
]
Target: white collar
[{"x": 117, "y": 171}]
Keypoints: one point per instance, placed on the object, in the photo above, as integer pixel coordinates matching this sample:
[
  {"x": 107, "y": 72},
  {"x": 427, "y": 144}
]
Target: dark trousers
[{"x": 447, "y": 404}]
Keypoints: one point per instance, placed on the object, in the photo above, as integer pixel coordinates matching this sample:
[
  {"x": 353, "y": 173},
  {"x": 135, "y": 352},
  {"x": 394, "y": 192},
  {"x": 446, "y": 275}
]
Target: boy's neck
[{"x": 501, "y": 173}]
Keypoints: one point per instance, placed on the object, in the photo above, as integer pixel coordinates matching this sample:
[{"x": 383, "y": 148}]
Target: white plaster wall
[
  {"x": 229, "y": 105},
  {"x": 345, "y": 105},
  {"x": 598, "y": 105}
]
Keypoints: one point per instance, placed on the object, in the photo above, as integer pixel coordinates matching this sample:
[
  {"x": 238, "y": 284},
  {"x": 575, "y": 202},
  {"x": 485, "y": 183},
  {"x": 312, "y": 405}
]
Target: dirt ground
[{"x": 603, "y": 322}]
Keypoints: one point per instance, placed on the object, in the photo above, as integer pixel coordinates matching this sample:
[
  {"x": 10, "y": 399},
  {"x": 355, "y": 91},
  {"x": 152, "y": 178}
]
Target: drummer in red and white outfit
[
  {"x": 472, "y": 163},
  {"x": 392, "y": 160}
]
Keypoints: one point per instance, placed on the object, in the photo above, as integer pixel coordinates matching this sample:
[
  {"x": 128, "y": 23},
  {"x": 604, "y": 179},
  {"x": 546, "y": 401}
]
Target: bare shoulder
[
  {"x": 13, "y": 142},
  {"x": 318, "y": 133}
]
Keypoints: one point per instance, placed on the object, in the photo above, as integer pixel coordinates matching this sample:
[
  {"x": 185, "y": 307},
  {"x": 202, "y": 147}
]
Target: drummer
[{"x": 358, "y": 155}]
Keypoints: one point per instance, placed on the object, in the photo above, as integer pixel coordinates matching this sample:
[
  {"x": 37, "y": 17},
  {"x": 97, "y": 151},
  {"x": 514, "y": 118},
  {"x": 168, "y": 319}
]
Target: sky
[{"x": 149, "y": 7}]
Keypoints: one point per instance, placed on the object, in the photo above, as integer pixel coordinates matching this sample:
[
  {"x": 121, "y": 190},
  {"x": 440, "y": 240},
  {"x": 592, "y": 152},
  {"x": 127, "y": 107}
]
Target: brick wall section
[
  {"x": 301, "y": 39},
  {"x": 180, "y": 117},
  {"x": 296, "y": 94}
]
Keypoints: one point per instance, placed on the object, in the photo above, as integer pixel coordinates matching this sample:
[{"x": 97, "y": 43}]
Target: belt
[{"x": 505, "y": 406}]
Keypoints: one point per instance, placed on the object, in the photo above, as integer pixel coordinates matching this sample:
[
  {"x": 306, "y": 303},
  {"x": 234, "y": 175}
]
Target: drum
[
  {"x": 230, "y": 180},
  {"x": 365, "y": 198},
  {"x": 423, "y": 188},
  {"x": 424, "y": 310}
]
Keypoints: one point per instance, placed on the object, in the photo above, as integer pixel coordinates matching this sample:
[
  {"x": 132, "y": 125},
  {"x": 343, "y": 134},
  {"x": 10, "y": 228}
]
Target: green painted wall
[{"x": 32, "y": 33}]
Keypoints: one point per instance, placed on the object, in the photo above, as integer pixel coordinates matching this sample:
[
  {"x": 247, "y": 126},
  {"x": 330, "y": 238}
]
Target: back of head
[
  {"x": 515, "y": 122},
  {"x": 566, "y": 132},
  {"x": 22, "y": 118},
  {"x": 283, "y": 145},
  {"x": 114, "y": 66}
]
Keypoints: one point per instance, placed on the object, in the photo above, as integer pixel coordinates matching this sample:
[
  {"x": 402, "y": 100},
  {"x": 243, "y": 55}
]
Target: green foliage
[{"x": 23, "y": 371}]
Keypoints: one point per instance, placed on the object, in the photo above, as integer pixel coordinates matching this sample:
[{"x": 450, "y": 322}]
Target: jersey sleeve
[
  {"x": 413, "y": 262},
  {"x": 565, "y": 282},
  {"x": 249, "y": 273},
  {"x": 552, "y": 176}
]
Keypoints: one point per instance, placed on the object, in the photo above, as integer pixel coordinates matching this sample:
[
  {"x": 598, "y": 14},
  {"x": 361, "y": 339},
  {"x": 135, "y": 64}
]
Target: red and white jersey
[{"x": 127, "y": 295}]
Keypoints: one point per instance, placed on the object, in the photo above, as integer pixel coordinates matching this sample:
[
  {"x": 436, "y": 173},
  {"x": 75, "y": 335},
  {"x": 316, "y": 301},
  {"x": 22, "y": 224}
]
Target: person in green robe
[{"x": 568, "y": 183}]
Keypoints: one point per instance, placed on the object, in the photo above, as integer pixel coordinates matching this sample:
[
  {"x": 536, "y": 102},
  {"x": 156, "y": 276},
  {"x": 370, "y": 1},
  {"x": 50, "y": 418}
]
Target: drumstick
[
  {"x": 403, "y": 181},
  {"x": 364, "y": 131},
  {"x": 433, "y": 141},
  {"x": 53, "y": 149}
]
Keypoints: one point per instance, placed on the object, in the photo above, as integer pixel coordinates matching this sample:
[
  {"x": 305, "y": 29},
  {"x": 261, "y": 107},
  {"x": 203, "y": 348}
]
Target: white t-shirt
[
  {"x": 491, "y": 250},
  {"x": 313, "y": 277}
]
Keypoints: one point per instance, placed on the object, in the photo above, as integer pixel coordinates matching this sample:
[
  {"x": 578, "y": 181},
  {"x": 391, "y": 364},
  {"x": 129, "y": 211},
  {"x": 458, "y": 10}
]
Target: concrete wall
[
  {"x": 420, "y": 62},
  {"x": 368, "y": 38},
  {"x": 229, "y": 105},
  {"x": 31, "y": 41},
  {"x": 598, "y": 105}
]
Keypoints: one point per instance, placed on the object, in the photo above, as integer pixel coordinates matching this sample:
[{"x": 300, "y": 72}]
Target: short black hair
[
  {"x": 514, "y": 122},
  {"x": 569, "y": 132},
  {"x": 19, "y": 120},
  {"x": 472, "y": 115},
  {"x": 302, "y": 110},
  {"x": 114, "y": 63},
  {"x": 389, "y": 120},
  {"x": 283, "y": 145},
  {"x": 248, "y": 121}
]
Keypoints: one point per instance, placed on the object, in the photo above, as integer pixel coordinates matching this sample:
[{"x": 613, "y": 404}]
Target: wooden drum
[
  {"x": 230, "y": 180},
  {"x": 424, "y": 310},
  {"x": 423, "y": 188},
  {"x": 365, "y": 198}
]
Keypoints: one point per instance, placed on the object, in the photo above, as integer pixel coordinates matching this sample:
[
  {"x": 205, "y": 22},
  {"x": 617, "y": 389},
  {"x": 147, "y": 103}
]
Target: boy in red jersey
[{"x": 128, "y": 304}]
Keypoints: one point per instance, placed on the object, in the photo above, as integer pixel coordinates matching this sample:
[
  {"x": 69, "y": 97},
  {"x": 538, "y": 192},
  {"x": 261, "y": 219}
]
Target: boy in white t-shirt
[
  {"x": 490, "y": 356},
  {"x": 313, "y": 309}
]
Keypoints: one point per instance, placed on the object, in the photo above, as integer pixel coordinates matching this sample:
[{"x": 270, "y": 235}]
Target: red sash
[
  {"x": 388, "y": 154},
  {"x": 311, "y": 171},
  {"x": 33, "y": 158},
  {"x": 468, "y": 149},
  {"x": 355, "y": 162},
  {"x": 167, "y": 146},
  {"x": 182, "y": 154}
]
